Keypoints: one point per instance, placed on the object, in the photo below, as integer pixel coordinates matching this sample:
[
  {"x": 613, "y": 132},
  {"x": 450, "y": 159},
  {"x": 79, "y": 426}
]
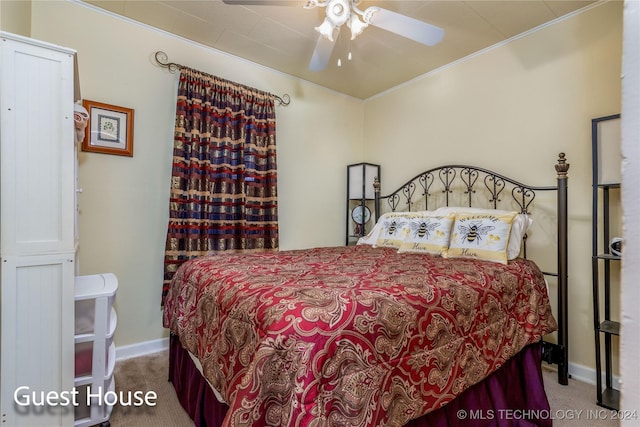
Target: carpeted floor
[{"x": 572, "y": 405}]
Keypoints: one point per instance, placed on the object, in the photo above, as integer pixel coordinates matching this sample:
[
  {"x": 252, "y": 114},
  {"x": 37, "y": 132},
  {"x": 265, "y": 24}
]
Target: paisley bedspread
[{"x": 351, "y": 336}]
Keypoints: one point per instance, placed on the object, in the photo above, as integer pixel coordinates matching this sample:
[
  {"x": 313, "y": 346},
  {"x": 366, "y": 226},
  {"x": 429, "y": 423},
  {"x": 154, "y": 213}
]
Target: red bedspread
[{"x": 351, "y": 336}]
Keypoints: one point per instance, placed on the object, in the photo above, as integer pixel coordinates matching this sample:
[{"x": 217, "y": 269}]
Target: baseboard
[
  {"x": 577, "y": 372},
  {"x": 142, "y": 348},
  {"x": 588, "y": 375},
  {"x": 583, "y": 374}
]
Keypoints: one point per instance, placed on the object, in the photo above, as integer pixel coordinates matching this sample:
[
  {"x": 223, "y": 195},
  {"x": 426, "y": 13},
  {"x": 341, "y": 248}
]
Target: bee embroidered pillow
[
  {"x": 427, "y": 234},
  {"x": 481, "y": 236},
  {"x": 392, "y": 233}
]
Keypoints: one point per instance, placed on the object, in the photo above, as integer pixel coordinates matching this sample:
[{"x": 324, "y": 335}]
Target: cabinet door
[
  {"x": 37, "y": 339},
  {"x": 37, "y": 147}
]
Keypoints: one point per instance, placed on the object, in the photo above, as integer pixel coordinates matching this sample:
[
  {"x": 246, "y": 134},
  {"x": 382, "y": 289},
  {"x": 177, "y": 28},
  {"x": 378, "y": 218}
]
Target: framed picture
[{"x": 110, "y": 129}]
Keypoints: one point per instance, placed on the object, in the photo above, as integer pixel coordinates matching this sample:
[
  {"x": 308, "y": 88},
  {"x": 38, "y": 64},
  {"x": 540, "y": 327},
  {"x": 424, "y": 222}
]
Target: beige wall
[
  {"x": 512, "y": 109},
  {"x": 124, "y": 206},
  {"x": 15, "y": 16}
]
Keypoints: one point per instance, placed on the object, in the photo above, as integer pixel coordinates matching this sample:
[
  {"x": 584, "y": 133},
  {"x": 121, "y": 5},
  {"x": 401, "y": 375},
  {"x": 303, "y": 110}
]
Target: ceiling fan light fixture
[
  {"x": 356, "y": 26},
  {"x": 327, "y": 28},
  {"x": 338, "y": 11}
]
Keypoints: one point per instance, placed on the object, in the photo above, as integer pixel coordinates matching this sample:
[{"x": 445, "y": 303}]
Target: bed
[{"x": 414, "y": 326}]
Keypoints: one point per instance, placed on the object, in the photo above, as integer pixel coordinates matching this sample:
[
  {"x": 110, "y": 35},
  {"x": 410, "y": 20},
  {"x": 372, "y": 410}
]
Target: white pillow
[{"x": 520, "y": 225}]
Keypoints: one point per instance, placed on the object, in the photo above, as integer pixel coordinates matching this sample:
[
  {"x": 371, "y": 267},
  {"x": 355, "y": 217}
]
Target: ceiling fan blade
[
  {"x": 264, "y": 2},
  {"x": 407, "y": 27},
  {"x": 321, "y": 54}
]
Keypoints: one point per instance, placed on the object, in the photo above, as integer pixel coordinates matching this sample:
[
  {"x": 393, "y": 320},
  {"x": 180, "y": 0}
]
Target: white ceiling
[{"x": 283, "y": 37}]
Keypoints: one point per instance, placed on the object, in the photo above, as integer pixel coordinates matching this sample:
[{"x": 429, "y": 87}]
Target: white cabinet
[{"x": 38, "y": 242}]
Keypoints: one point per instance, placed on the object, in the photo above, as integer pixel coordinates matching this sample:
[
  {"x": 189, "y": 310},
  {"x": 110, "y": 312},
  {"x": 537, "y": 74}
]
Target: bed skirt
[{"x": 513, "y": 396}]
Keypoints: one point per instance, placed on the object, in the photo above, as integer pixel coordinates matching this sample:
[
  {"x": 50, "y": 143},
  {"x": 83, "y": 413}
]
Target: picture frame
[{"x": 109, "y": 129}]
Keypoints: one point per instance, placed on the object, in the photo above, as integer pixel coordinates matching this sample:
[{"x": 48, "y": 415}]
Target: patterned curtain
[{"x": 223, "y": 185}]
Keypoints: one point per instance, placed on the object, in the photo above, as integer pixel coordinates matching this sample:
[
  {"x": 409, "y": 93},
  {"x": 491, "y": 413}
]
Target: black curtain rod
[{"x": 162, "y": 60}]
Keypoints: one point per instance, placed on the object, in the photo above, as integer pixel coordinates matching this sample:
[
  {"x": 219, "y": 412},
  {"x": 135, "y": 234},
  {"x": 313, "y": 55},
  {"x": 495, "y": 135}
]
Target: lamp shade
[
  {"x": 607, "y": 149},
  {"x": 361, "y": 177}
]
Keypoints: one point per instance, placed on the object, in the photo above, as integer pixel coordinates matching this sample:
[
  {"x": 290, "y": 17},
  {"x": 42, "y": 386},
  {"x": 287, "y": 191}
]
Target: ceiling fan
[{"x": 340, "y": 12}]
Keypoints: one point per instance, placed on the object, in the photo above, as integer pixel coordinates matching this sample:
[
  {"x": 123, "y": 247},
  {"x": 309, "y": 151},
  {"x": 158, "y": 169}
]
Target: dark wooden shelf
[
  {"x": 610, "y": 185},
  {"x": 603, "y": 281},
  {"x": 610, "y": 327},
  {"x": 610, "y": 257},
  {"x": 610, "y": 399}
]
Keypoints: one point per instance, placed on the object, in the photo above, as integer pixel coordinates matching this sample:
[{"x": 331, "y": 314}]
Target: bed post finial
[{"x": 562, "y": 167}]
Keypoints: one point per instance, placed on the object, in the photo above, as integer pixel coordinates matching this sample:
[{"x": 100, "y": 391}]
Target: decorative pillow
[
  {"x": 520, "y": 225},
  {"x": 392, "y": 231},
  {"x": 372, "y": 237},
  {"x": 427, "y": 233},
  {"x": 481, "y": 236}
]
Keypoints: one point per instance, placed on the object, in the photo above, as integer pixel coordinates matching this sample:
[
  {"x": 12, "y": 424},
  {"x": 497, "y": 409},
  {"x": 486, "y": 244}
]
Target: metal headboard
[
  {"x": 461, "y": 185},
  {"x": 440, "y": 183}
]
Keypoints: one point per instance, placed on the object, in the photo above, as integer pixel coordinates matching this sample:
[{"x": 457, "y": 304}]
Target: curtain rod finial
[
  {"x": 163, "y": 60},
  {"x": 284, "y": 100}
]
